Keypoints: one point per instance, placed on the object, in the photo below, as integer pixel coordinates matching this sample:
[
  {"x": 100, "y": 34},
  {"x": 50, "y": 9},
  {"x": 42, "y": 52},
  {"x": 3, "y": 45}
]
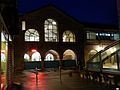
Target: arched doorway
[
  {"x": 51, "y": 59},
  {"x": 52, "y": 54},
  {"x": 92, "y": 53},
  {"x": 32, "y": 59},
  {"x": 36, "y": 56},
  {"x": 26, "y": 57},
  {"x": 69, "y": 58},
  {"x": 69, "y": 55}
]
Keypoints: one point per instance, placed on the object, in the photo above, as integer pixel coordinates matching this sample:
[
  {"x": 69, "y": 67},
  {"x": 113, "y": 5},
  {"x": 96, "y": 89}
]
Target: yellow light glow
[
  {"x": 112, "y": 50},
  {"x": 99, "y": 48}
]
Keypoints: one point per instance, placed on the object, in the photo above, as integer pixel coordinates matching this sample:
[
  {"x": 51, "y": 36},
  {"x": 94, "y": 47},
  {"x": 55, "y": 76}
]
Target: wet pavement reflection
[{"x": 51, "y": 81}]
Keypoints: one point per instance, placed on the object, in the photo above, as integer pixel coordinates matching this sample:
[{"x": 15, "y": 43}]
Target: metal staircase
[{"x": 107, "y": 59}]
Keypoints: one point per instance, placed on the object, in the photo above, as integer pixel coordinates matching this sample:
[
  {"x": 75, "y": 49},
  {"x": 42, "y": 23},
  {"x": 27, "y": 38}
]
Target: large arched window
[
  {"x": 51, "y": 33},
  {"x": 68, "y": 36},
  {"x": 31, "y": 35}
]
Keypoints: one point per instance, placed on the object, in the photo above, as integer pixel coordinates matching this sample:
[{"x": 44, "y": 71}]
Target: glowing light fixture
[{"x": 34, "y": 50}]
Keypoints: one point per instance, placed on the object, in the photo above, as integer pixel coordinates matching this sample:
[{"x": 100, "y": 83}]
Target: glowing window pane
[
  {"x": 54, "y": 23},
  {"x": 23, "y": 25},
  {"x": 2, "y": 57},
  {"x": 50, "y": 29},
  {"x": 49, "y": 57},
  {"x": 68, "y": 36},
  {"x": 26, "y": 57},
  {"x": 31, "y": 35},
  {"x": 36, "y": 56}
]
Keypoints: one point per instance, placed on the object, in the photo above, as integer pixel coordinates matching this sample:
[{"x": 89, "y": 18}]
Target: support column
[
  {"x": 9, "y": 67},
  {"x": 42, "y": 64}
]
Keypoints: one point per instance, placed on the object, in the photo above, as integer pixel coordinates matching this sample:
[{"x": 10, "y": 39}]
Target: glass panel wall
[
  {"x": 110, "y": 63},
  {"x": 4, "y": 55},
  {"x": 91, "y": 35},
  {"x": 102, "y": 36}
]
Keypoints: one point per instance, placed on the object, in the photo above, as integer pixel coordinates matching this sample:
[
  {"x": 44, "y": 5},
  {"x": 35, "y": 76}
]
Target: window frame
[
  {"x": 70, "y": 36},
  {"x": 31, "y": 35},
  {"x": 51, "y": 31}
]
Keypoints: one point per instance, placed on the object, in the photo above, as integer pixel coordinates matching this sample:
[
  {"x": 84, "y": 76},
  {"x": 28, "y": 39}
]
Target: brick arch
[
  {"x": 69, "y": 55},
  {"x": 31, "y": 54},
  {"x": 54, "y": 53}
]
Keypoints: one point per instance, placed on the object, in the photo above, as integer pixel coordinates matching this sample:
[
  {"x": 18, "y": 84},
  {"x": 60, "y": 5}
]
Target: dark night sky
[{"x": 88, "y": 11}]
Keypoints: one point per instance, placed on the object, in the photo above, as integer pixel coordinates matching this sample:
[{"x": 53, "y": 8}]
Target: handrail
[
  {"x": 111, "y": 45},
  {"x": 110, "y": 55},
  {"x": 106, "y": 48}
]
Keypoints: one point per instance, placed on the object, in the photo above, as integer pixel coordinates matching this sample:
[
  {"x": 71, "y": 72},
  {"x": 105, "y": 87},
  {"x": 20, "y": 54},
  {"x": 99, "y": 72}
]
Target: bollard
[{"x": 36, "y": 72}]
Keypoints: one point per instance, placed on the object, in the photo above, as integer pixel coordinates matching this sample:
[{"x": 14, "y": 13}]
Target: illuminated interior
[
  {"x": 51, "y": 55},
  {"x": 68, "y": 36},
  {"x": 33, "y": 56},
  {"x": 4, "y": 49},
  {"x": 31, "y": 35},
  {"x": 51, "y": 33},
  {"x": 36, "y": 56},
  {"x": 69, "y": 55},
  {"x": 23, "y": 25},
  {"x": 110, "y": 63}
]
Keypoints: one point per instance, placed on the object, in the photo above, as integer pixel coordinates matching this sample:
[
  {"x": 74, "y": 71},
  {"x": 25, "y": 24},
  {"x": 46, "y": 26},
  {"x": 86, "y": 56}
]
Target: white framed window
[
  {"x": 68, "y": 36},
  {"x": 36, "y": 56},
  {"x": 31, "y": 35},
  {"x": 23, "y": 25},
  {"x": 50, "y": 29}
]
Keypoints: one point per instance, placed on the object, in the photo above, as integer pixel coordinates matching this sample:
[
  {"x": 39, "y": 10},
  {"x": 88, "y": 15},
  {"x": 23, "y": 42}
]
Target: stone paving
[{"x": 51, "y": 81}]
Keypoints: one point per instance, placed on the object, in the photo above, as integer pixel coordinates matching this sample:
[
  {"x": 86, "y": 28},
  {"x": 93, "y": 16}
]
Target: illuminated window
[
  {"x": 116, "y": 36},
  {"x": 69, "y": 55},
  {"x": 50, "y": 28},
  {"x": 3, "y": 57},
  {"x": 36, "y": 56},
  {"x": 23, "y": 25},
  {"x": 26, "y": 57},
  {"x": 68, "y": 36},
  {"x": 104, "y": 36},
  {"x": 91, "y": 35},
  {"x": 31, "y": 35},
  {"x": 49, "y": 57}
]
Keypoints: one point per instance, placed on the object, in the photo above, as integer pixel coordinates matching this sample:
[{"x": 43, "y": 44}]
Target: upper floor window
[
  {"x": 68, "y": 36},
  {"x": 116, "y": 36},
  {"x": 51, "y": 33},
  {"x": 23, "y": 25},
  {"x": 31, "y": 35},
  {"x": 102, "y": 36},
  {"x": 91, "y": 35}
]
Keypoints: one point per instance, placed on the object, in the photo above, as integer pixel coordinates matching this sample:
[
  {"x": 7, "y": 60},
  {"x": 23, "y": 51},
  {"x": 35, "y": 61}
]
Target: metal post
[{"x": 36, "y": 72}]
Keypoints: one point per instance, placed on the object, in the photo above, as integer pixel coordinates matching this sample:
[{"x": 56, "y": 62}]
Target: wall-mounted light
[{"x": 23, "y": 25}]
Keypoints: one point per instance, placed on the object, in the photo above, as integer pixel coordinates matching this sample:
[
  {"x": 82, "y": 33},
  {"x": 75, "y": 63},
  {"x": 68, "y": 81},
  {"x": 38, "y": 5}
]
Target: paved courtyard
[{"x": 50, "y": 80}]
